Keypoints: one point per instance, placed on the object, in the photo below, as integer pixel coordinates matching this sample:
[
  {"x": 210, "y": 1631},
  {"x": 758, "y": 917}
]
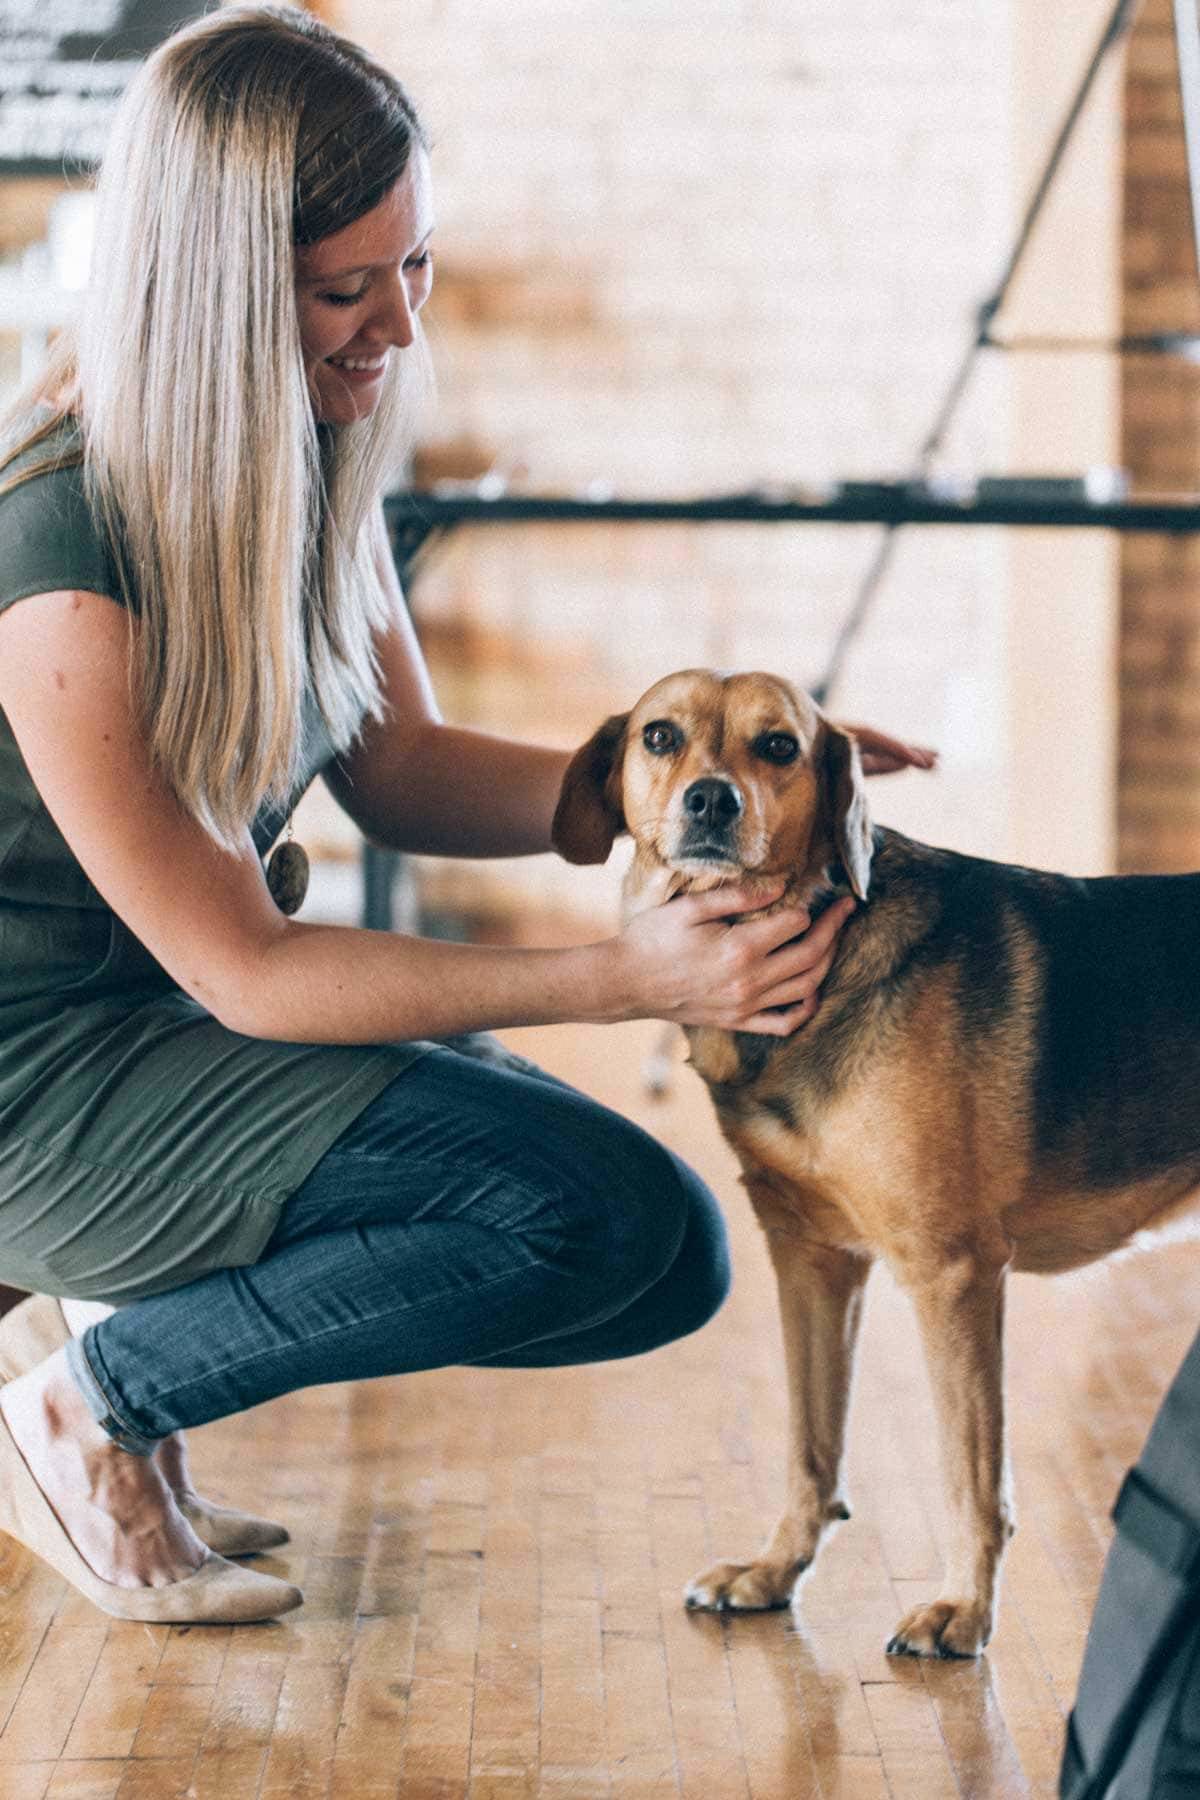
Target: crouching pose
[{"x": 230, "y": 1125}]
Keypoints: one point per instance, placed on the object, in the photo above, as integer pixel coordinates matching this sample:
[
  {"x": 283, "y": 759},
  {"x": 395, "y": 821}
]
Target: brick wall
[
  {"x": 1159, "y": 769},
  {"x": 698, "y": 246}
]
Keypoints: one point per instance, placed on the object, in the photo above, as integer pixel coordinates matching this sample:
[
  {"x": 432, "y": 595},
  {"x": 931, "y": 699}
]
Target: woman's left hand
[{"x": 883, "y": 755}]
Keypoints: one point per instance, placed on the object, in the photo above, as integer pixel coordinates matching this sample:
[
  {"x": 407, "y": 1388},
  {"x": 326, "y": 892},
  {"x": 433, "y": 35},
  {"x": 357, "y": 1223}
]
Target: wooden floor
[{"x": 493, "y": 1562}]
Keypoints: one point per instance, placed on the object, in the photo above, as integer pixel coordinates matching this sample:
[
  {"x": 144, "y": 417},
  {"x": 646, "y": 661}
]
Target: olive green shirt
[{"x": 141, "y": 1143}]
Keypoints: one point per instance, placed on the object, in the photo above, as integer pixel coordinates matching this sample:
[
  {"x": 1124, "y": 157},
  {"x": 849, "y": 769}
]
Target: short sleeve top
[{"x": 141, "y": 1143}]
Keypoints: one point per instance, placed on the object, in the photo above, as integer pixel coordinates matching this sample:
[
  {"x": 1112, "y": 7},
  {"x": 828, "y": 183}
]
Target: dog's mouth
[
  {"x": 706, "y": 850},
  {"x": 708, "y": 853}
]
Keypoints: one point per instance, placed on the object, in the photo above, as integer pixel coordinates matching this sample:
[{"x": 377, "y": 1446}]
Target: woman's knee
[
  {"x": 645, "y": 1211},
  {"x": 624, "y": 1206},
  {"x": 702, "y": 1271}
]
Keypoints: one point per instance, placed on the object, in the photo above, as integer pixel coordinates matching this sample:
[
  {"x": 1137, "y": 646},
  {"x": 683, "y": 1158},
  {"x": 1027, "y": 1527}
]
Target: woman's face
[{"x": 358, "y": 293}]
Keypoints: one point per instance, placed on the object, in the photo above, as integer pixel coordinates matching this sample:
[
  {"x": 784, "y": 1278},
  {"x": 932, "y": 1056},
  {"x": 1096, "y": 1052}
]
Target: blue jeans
[{"x": 471, "y": 1214}]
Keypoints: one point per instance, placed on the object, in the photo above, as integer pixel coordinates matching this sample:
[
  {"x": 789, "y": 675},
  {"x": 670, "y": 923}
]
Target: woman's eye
[
  {"x": 778, "y": 746},
  {"x": 420, "y": 262},
  {"x": 660, "y": 737},
  {"x": 344, "y": 299}
]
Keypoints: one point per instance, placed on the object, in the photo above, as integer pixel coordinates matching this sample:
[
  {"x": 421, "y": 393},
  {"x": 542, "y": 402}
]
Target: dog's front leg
[
  {"x": 820, "y": 1294},
  {"x": 961, "y": 1315}
]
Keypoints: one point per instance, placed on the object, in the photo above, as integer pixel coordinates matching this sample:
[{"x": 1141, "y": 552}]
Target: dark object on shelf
[
  {"x": 1095, "y": 487},
  {"x": 1135, "y": 1730}
]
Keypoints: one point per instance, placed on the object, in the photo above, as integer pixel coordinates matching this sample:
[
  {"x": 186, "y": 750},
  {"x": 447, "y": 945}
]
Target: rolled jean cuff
[{"x": 98, "y": 1402}]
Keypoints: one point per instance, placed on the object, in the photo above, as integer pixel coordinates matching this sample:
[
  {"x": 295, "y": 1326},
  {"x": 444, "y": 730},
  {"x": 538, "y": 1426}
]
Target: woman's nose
[{"x": 397, "y": 319}]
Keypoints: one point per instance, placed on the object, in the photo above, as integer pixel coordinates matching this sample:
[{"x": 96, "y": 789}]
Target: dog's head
[{"x": 720, "y": 776}]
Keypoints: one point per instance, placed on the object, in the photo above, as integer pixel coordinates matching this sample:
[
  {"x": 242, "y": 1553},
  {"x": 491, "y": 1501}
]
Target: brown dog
[{"x": 1004, "y": 1073}]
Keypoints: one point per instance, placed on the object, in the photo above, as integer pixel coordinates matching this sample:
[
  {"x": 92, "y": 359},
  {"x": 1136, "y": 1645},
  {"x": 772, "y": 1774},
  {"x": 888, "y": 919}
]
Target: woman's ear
[
  {"x": 846, "y": 801},
  {"x": 588, "y": 815}
]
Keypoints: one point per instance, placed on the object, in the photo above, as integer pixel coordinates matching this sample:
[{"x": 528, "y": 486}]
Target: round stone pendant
[{"x": 287, "y": 876}]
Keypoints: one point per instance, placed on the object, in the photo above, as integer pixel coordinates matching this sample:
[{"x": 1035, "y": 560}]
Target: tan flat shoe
[
  {"x": 219, "y": 1593},
  {"x": 227, "y": 1529},
  {"x": 37, "y": 1328}
]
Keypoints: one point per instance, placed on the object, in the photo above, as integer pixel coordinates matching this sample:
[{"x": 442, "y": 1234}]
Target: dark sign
[{"x": 64, "y": 65}]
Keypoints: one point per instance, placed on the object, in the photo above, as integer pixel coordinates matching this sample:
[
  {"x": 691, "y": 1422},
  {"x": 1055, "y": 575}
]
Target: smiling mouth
[{"x": 357, "y": 365}]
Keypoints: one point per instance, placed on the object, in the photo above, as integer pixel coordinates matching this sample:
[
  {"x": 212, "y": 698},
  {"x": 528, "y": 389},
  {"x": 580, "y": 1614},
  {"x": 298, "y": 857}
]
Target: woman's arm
[
  {"x": 395, "y": 780},
  {"x": 884, "y": 755},
  {"x": 205, "y": 913}
]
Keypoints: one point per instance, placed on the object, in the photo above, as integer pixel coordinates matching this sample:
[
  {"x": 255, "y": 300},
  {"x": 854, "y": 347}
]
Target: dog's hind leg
[
  {"x": 960, "y": 1310},
  {"x": 821, "y": 1295}
]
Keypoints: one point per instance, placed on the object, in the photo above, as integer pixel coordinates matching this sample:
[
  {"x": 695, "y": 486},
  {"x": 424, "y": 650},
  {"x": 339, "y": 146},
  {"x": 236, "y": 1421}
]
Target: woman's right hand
[{"x": 712, "y": 959}]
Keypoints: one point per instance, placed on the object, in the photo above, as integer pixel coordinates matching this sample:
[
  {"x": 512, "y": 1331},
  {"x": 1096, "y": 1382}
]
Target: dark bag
[{"x": 1135, "y": 1730}]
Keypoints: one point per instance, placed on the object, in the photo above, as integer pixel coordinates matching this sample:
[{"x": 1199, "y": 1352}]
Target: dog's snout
[{"x": 712, "y": 801}]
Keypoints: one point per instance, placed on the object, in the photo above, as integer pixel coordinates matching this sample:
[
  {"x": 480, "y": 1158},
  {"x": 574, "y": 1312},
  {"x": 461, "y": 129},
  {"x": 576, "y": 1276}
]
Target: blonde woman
[{"x": 229, "y": 1124}]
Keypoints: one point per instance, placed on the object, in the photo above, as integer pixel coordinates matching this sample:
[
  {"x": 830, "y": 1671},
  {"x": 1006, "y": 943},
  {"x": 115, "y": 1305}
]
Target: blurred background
[{"x": 702, "y": 247}]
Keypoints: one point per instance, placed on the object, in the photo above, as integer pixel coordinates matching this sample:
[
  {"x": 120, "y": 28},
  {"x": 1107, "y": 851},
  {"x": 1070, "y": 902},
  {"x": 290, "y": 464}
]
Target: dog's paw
[
  {"x": 742, "y": 1587},
  {"x": 943, "y": 1628}
]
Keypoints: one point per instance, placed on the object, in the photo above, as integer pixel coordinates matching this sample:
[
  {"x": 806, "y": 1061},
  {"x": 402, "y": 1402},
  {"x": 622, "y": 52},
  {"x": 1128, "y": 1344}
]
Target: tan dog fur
[{"x": 909, "y": 1121}]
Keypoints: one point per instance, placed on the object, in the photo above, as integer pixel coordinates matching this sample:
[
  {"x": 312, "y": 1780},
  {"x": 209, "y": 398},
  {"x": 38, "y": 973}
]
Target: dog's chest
[
  {"x": 764, "y": 1106},
  {"x": 777, "y": 1109}
]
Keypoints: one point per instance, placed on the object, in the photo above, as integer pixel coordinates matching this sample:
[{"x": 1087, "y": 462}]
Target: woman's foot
[
  {"x": 117, "y": 1508},
  {"x": 223, "y": 1528},
  {"x": 171, "y": 1460},
  {"x": 171, "y": 1456}
]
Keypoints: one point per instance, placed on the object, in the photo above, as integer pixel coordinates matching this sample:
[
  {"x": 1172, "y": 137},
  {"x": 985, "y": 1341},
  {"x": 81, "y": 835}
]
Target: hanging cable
[{"x": 1117, "y": 25}]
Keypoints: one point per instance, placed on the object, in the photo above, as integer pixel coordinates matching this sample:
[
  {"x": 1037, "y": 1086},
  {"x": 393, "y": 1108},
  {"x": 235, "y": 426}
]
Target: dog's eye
[
  {"x": 660, "y": 737},
  {"x": 777, "y": 746}
]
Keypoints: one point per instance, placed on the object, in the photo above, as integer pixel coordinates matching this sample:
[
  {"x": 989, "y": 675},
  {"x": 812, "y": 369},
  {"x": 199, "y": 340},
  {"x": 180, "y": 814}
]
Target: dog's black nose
[{"x": 711, "y": 801}]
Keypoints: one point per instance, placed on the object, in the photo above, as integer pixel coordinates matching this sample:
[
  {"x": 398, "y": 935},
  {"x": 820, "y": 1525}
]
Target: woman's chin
[{"x": 335, "y": 402}]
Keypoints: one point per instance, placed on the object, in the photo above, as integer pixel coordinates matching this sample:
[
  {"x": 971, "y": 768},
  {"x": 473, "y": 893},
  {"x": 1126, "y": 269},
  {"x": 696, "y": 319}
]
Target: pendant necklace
[{"x": 287, "y": 873}]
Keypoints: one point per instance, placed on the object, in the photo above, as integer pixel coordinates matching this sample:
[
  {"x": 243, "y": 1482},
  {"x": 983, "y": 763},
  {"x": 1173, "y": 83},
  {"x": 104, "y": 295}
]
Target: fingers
[
  {"x": 784, "y": 1021},
  {"x": 760, "y": 974},
  {"x": 798, "y": 990},
  {"x": 793, "y": 1004},
  {"x": 728, "y": 902},
  {"x": 794, "y": 996},
  {"x": 883, "y": 762},
  {"x": 791, "y": 931},
  {"x": 884, "y": 755}
]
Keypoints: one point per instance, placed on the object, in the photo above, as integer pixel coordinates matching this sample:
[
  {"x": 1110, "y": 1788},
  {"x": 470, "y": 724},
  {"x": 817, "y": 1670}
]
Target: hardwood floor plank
[
  {"x": 572, "y": 1723},
  {"x": 165, "y": 1779},
  {"x": 226, "y": 1774},
  {"x": 244, "y": 1704},
  {"x": 304, "y": 1733},
  {"x": 174, "y": 1721},
  {"x": 638, "y": 1731},
  {"x": 111, "y": 1711},
  {"x": 44, "y": 1711},
  {"x": 437, "y": 1737},
  {"x": 26, "y": 1781},
  {"x": 85, "y": 1781},
  {"x": 370, "y": 1741},
  {"x": 194, "y": 1655}
]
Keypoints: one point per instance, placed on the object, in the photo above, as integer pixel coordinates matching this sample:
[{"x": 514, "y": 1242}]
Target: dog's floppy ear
[
  {"x": 588, "y": 815},
  {"x": 846, "y": 799}
]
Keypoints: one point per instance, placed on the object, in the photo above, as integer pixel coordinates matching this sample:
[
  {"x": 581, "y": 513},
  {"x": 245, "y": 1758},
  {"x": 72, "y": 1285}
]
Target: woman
[{"x": 227, "y": 1122}]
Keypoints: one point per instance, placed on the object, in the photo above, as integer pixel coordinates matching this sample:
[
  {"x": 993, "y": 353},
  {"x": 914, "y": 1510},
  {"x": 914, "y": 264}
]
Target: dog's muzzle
[{"x": 712, "y": 808}]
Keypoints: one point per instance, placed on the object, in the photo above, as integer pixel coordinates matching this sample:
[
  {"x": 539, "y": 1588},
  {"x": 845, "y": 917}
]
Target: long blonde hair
[{"x": 246, "y": 534}]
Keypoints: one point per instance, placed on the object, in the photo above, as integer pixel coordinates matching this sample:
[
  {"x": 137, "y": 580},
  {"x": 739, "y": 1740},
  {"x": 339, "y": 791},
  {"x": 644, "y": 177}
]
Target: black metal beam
[{"x": 867, "y": 503}]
